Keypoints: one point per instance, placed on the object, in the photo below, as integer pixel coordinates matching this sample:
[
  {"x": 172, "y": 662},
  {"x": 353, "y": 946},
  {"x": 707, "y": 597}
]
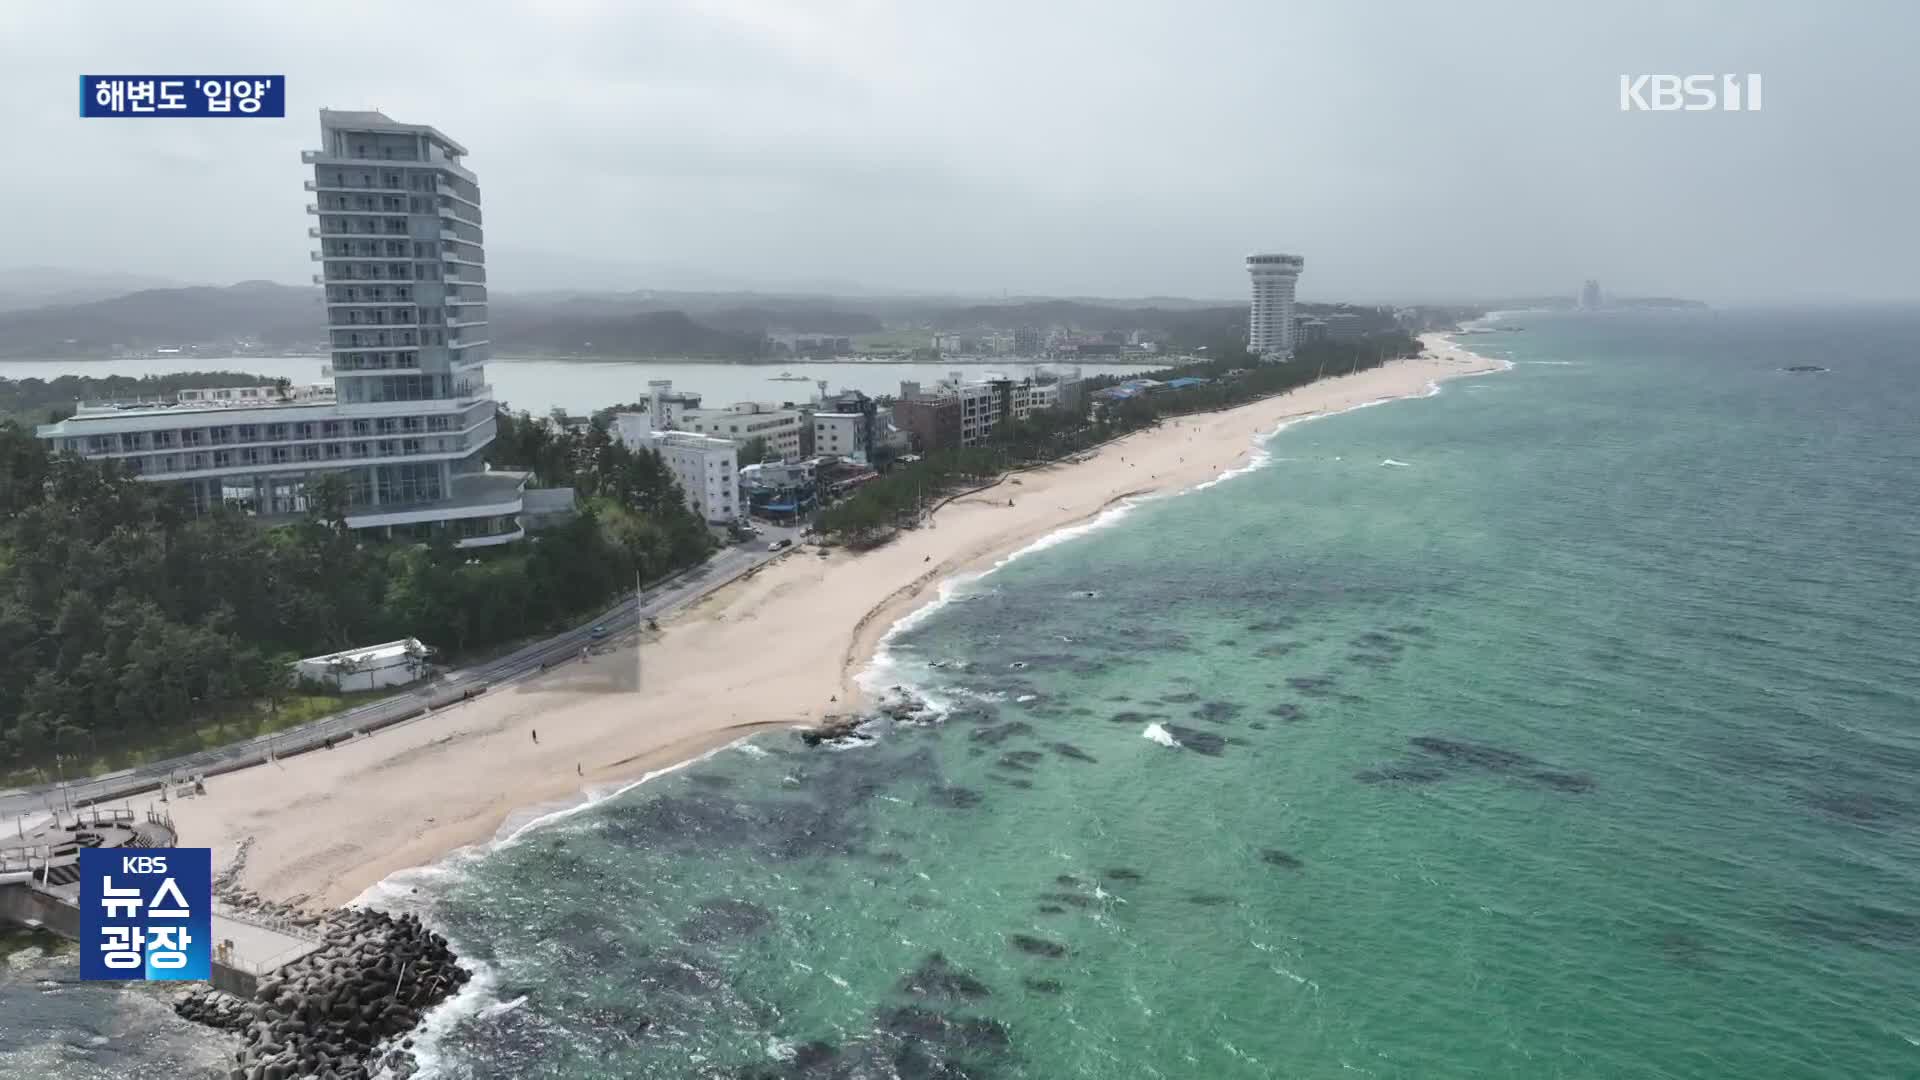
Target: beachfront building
[
  {"x": 1270, "y": 320},
  {"x": 845, "y": 434},
  {"x": 707, "y": 468},
  {"x": 1307, "y": 330},
  {"x": 932, "y": 423},
  {"x": 955, "y": 412},
  {"x": 409, "y": 414},
  {"x": 393, "y": 663}
]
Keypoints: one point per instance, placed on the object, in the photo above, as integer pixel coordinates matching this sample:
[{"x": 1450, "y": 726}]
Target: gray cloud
[{"x": 1409, "y": 150}]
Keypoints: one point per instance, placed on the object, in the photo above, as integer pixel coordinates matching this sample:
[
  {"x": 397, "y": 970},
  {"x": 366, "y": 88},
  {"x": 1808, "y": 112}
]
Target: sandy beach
[{"x": 780, "y": 647}]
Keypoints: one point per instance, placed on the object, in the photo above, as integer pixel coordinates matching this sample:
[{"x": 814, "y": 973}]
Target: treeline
[
  {"x": 125, "y": 618},
  {"x": 896, "y": 500},
  {"x": 47, "y": 401}
]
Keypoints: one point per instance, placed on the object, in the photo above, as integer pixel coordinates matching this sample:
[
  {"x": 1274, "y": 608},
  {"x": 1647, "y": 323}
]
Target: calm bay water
[
  {"x": 1562, "y": 724},
  {"x": 579, "y": 387}
]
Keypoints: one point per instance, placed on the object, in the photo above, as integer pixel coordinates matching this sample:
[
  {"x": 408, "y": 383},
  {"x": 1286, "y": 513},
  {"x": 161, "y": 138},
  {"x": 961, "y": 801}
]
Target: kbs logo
[{"x": 1689, "y": 93}]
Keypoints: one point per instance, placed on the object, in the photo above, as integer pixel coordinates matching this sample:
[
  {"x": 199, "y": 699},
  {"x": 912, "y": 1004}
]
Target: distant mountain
[
  {"x": 1089, "y": 317},
  {"x": 254, "y": 311},
  {"x": 647, "y": 333},
  {"x": 802, "y": 318},
  {"x": 38, "y": 286}
]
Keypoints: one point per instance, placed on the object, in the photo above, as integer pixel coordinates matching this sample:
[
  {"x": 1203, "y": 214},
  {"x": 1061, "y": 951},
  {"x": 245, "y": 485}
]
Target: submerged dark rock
[
  {"x": 996, "y": 734},
  {"x": 1070, "y": 751},
  {"x": 1217, "y": 711},
  {"x": 1066, "y": 881},
  {"x": 1276, "y": 857},
  {"x": 1051, "y": 909},
  {"x": 955, "y": 797},
  {"x": 1209, "y": 899},
  {"x": 964, "y": 1032},
  {"x": 1401, "y": 774},
  {"x": 1277, "y": 650},
  {"x": 1184, "y": 697},
  {"x": 1027, "y": 943},
  {"x": 1131, "y": 716},
  {"x": 1122, "y": 873},
  {"x": 938, "y": 977},
  {"x": 1200, "y": 742},
  {"x": 1475, "y": 754},
  {"x": 1313, "y": 685},
  {"x": 722, "y": 918},
  {"x": 1042, "y": 986},
  {"x": 1073, "y": 899},
  {"x": 1287, "y": 711}
]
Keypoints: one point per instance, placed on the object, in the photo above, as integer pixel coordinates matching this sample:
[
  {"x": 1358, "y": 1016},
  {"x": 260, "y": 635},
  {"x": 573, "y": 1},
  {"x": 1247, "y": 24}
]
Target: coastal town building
[
  {"x": 1270, "y": 320},
  {"x": 665, "y": 406},
  {"x": 393, "y": 663},
  {"x": 1590, "y": 295},
  {"x": 782, "y": 426},
  {"x": 957, "y": 412},
  {"x": 1345, "y": 326},
  {"x": 1029, "y": 341},
  {"x": 409, "y": 415},
  {"x": 846, "y": 435},
  {"x": 1307, "y": 331},
  {"x": 931, "y": 423},
  {"x": 780, "y": 489},
  {"x": 706, "y": 468}
]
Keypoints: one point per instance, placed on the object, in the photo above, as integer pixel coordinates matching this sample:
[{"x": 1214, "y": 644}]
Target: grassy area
[{"x": 296, "y": 710}]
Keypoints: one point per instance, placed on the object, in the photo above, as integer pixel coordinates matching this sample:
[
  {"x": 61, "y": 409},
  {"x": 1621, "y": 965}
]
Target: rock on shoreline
[
  {"x": 899, "y": 705},
  {"x": 328, "y": 1014}
]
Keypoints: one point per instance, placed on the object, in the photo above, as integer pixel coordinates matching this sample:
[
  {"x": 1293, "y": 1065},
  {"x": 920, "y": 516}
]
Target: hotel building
[
  {"x": 1270, "y": 321},
  {"x": 409, "y": 415}
]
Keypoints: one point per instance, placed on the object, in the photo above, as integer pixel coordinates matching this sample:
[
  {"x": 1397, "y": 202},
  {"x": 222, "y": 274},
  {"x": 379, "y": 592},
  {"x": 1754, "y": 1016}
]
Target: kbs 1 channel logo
[
  {"x": 233, "y": 96},
  {"x": 1689, "y": 93},
  {"x": 146, "y": 913}
]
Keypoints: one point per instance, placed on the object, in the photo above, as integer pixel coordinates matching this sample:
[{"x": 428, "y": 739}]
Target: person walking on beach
[
  {"x": 577, "y": 771},
  {"x": 536, "y": 736}
]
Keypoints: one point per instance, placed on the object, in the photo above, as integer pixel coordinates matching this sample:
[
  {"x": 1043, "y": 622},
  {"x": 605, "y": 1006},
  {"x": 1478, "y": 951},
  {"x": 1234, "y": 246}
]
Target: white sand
[{"x": 775, "y": 648}]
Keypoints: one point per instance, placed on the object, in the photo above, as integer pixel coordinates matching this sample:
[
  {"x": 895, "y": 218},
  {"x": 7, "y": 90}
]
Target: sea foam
[{"x": 1161, "y": 735}]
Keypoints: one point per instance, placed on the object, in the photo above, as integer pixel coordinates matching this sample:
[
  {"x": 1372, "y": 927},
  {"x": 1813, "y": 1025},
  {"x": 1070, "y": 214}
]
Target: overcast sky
[{"x": 1409, "y": 151}]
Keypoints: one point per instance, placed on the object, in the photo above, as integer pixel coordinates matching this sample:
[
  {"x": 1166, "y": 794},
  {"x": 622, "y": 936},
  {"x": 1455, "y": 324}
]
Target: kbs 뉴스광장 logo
[{"x": 146, "y": 913}]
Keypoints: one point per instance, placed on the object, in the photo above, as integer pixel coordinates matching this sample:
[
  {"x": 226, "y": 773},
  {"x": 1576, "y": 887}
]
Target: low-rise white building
[
  {"x": 707, "y": 468},
  {"x": 393, "y": 663}
]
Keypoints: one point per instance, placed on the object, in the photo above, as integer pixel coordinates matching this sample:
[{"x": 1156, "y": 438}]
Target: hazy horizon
[{"x": 1411, "y": 154}]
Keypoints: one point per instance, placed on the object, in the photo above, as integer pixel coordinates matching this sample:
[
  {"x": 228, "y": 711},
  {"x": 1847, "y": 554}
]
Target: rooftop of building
[
  {"x": 384, "y": 653},
  {"x": 375, "y": 120},
  {"x": 197, "y": 400}
]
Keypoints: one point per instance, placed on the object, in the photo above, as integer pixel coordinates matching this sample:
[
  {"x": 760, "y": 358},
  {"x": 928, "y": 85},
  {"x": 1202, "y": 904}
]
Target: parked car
[
  {"x": 778, "y": 545},
  {"x": 597, "y": 633}
]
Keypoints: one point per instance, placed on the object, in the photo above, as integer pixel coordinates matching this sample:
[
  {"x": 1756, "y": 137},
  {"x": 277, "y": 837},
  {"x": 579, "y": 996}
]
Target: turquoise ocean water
[{"x": 1562, "y": 724}]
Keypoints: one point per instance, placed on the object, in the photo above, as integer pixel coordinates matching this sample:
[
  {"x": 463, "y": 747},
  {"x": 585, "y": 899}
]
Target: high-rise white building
[
  {"x": 410, "y": 413},
  {"x": 1270, "y": 321}
]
